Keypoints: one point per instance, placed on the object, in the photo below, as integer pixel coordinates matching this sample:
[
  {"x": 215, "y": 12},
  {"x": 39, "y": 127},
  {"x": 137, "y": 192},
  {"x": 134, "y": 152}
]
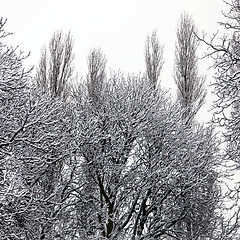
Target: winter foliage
[{"x": 114, "y": 156}]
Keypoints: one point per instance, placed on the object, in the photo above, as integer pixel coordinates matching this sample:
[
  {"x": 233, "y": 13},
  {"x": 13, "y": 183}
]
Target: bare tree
[
  {"x": 191, "y": 96},
  {"x": 232, "y": 125},
  {"x": 226, "y": 56},
  {"x": 129, "y": 168},
  {"x": 14, "y": 83},
  {"x": 53, "y": 77},
  {"x": 33, "y": 147},
  {"x": 191, "y": 89},
  {"x": 32, "y": 189},
  {"x": 180, "y": 192},
  {"x": 153, "y": 58},
  {"x": 96, "y": 74},
  {"x": 134, "y": 168},
  {"x": 56, "y": 65}
]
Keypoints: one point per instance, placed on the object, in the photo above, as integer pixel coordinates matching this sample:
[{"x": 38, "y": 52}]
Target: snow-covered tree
[
  {"x": 226, "y": 57},
  {"x": 33, "y": 147},
  {"x": 137, "y": 161},
  {"x": 13, "y": 119},
  {"x": 114, "y": 161}
]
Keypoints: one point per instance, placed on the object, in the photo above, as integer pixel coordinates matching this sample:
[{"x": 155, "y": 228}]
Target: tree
[
  {"x": 116, "y": 161},
  {"x": 177, "y": 179},
  {"x": 153, "y": 58},
  {"x": 191, "y": 89},
  {"x": 53, "y": 79},
  {"x": 133, "y": 168},
  {"x": 33, "y": 167},
  {"x": 33, "y": 144},
  {"x": 13, "y": 117},
  {"x": 96, "y": 74},
  {"x": 225, "y": 54},
  {"x": 232, "y": 126},
  {"x": 108, "y": 137},
  {"x": 191, "y": 96},
  {"x": 56, "y": 65}
]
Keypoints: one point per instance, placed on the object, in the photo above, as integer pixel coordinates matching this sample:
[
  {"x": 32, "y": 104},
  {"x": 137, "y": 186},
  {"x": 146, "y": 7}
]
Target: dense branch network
[{"x": 114, "y": 157}]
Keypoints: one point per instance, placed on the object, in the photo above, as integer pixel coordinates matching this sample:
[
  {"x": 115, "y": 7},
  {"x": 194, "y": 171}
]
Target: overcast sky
[{"x": 119, "y": 27}]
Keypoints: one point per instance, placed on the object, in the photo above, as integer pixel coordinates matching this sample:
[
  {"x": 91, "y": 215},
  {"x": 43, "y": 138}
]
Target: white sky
[{"x": 119, "y": 27}]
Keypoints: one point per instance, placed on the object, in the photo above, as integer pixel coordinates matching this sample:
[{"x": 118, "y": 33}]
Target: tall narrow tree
[
  {"x": 191, "y": 93},
  {"x": 53, "y": 78},
  {"x": 56, "y": 65},
  {"x": 96, "y": 74},
  {"x": 153, "y": 58},
  {"x": 190, "y": 85}
]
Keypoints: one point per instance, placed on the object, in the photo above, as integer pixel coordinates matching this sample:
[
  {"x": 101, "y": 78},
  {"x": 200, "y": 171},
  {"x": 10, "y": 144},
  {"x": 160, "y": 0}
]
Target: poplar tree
[{"x": 191, "y": 90}]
